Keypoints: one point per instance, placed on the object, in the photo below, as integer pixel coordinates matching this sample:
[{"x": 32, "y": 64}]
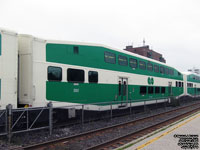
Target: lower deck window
[
  {"x": 75, "y": 75},
  {"x": 54, "y": 73},
  {"x": 163, "y": 90},
  {"x": 93, "y": 76},
  {"x": 150, "y": 90},
  {"x": 143, "y": 90},
  {"x": 157, "y": 90}
]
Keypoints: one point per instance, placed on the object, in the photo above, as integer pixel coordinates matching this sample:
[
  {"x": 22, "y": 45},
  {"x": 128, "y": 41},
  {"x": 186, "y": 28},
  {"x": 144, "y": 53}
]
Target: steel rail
[{"x": 69, "y": 138}]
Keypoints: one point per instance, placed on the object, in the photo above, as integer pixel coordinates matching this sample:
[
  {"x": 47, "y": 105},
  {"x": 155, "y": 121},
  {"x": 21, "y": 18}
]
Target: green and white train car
[
  {"x": 193, "y": 84},
  {"x": 8, "y": 68},
  {"x": 67, "y": 73}
]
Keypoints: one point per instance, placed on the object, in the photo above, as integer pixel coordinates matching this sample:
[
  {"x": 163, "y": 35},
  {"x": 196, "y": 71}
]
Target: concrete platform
[{"x": 182, "y": 133}]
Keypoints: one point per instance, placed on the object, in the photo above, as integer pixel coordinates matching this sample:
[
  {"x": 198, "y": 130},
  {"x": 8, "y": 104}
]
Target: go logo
[{"x": 150, "y": 80}]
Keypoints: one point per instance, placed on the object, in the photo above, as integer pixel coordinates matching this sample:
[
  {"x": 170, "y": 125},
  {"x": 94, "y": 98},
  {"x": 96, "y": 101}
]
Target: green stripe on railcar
[{"x": 85, "y": 93}]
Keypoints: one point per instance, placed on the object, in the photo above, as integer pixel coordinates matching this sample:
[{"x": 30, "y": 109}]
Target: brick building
[{"x": 145, "y": 51}]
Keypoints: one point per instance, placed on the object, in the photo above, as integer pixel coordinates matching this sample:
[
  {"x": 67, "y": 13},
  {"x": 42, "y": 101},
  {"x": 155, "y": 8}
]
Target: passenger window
[
  {"x": 166, "y": 71},
  {"x": 180, "y": 84},
  {"x": 176, "y": 83},
  {"x": 75, "y": 75},
  {"x": 156, "y": 68},
  {"x": 143, "y": 90},
  {"x": 149, "y": 66},
  {"x": 172, "y": 72},
  {"x": 93, "y": 76},
  {"x": 122, "y": 60},
  {"x": 109, "y": 57},
  {"x": 157, "y": 90},
  {"x": 142, "y": 65},
  {"x": 163, "y": 90},
  {"x": 54, "y": 73},
  {"x": 162, "y": 70},
  {"x": 133, "y": 63},
  {"x": 150, "y": 90}
]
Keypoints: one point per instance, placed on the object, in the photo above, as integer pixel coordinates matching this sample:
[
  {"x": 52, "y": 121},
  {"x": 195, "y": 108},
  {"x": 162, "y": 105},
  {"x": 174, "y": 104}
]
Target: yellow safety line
[{"x": 158, "y": 137}]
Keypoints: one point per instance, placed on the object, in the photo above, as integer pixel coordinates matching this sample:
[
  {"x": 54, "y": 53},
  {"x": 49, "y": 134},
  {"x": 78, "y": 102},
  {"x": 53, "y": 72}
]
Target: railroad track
[{"x": 147, "y": 125}]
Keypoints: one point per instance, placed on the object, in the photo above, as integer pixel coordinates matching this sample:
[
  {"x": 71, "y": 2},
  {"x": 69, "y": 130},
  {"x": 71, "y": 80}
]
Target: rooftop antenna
[{"x": 143, "y": 41}]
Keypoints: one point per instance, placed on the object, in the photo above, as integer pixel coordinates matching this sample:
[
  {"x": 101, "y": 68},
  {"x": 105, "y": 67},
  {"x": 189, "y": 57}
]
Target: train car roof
[
  {"x": 7, "y": 31},
  {"x": 190, "y": 73},
  {"x": 95, "y": 44}
]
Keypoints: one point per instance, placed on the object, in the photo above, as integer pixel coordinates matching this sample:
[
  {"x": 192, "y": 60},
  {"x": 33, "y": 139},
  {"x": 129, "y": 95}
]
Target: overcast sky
[{"x": 171, "y": 27}]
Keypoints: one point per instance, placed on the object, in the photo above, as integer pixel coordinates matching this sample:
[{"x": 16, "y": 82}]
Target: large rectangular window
[
  {"x": 133, "y": 63},
  {"x": 122, "y": 60},
  {"x": 156, "y": 68},
  {"x": 142, "y": 65},
  {"x": 110, "y": 57},
  {"x": 143, "y": 90},
  {"x": 150, "y": 66},
  {"x": 75, "y": 75},
  {"x": 93, "y": 76},
  {"x": 54, "y": 73}
]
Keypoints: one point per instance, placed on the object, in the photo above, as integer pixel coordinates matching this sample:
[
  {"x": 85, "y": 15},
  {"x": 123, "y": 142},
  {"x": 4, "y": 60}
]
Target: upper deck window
[
  {"x": 162, "y": 70},
  {"x": 142, "y": 65},
  {"x": 166, "y": 71},
  {"x": 150, "y": 66},
  {"x": 133, "y": 63},
  {"x": 109, "y": 57},
  {"x": 122, "y": 60},
  {"x": 156, "y": 68}
]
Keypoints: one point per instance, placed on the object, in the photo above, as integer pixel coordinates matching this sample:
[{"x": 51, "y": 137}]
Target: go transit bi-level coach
[{"x": 67, "y": 73}]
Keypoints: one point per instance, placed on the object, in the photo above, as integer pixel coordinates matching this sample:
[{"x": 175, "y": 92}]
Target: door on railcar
[
  {"x": 170, "y": 89},
  {"x": 123, "y": 89}
]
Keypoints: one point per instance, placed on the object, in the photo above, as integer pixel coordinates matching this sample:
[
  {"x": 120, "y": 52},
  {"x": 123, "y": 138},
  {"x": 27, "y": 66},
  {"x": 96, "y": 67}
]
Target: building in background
[{"x": 146, "y": 51}]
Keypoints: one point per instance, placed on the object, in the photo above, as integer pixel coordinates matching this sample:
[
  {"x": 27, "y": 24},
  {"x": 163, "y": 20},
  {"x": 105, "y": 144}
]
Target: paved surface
[{"x": 173, "y": 137}]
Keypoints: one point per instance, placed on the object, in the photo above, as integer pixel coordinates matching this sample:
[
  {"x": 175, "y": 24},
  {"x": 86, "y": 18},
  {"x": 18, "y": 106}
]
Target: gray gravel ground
[{"x": 43, "y": 135}]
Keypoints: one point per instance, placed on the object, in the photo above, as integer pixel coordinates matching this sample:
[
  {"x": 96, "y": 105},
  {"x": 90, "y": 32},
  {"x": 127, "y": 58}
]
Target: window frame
[
  {"x": 106, "y": 52},
  {"x": 48, "y": 74},
  {"x": 157, "y": 70},
  {"x": 144, "y": 63},
  {"x": 136, "y": 63},
  {"x": 121, "y": 62},
  {"x": 148, "y": 68},
  {"x": 89, "y": 77},
  {"x": 157, "y": 91},
  {"x": 162, "y": 69},
  {"x": 141, "y": 91},
  {"x": 150, "y": 90},
  {"x": 76, "y": 70}
]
